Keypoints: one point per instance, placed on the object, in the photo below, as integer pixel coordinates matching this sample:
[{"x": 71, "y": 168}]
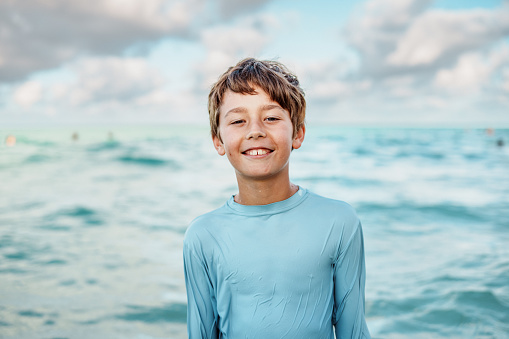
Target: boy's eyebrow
[
  {"x": 271, "y": 106},
  {"x": 244, "y": 110},
  {"x": 236, "y": 110}
]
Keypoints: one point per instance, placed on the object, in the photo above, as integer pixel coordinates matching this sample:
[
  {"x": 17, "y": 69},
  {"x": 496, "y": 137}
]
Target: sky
[{"x": 441, "y": 63}]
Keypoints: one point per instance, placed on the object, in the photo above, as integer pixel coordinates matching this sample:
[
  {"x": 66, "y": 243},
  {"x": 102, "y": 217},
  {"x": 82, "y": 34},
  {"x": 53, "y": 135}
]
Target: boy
[{"x": 275, "y": 261}]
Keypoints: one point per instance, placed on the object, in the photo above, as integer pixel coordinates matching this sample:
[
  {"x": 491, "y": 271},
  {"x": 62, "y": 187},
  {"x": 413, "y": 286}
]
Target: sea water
[{"x": 92, "y": 221}]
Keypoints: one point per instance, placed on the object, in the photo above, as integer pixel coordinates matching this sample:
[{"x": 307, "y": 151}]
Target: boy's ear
[
  {"x": 299, "y": 137},
  {"x": 218, "y": 145}
]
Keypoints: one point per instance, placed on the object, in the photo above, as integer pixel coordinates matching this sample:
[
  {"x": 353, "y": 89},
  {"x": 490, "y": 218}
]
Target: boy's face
[{"x": 257, "y": 135}]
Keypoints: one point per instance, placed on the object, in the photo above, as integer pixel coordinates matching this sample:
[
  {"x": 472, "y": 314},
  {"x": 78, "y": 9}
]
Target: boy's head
[{"x": 272, "y": 77}]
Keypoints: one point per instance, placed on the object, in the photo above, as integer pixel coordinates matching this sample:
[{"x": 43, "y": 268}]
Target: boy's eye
[
  {"x": 236, "y": 122},
  {"x": 272, "y": 119}
]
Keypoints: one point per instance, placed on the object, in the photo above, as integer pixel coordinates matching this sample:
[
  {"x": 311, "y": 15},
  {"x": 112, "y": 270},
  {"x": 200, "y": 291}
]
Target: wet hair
[{"x": 271, "y": 76}]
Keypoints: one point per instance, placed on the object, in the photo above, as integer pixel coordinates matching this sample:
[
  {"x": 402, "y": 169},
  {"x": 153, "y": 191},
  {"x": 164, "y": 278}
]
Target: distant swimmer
[
  {"x": 10, "y": 141},
  {"x": 490, "y": 131},
  {"x": 500, "y": 142},
  {"x": 75, "y": 136}
]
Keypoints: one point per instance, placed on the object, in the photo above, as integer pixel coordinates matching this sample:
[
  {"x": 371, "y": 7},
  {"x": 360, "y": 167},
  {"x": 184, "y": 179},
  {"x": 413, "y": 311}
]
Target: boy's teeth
[{"x": 257, "y": 152}]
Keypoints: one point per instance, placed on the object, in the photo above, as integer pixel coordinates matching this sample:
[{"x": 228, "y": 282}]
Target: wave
[
  {"x": 55, "y": 227},
  {"x": 426, "y": 155},
  {"x": 105, "y": 146},
  {"x": 343, "y": 180},
  {"x": 437, "y": 212},
  {"x": 170, "y": 313},
  {"x": 446, "y": 317},
  {"x": 394, "y": 307},
  {"x": 42, "y": 143},
  {"x": 78, "y": 211},
  {"x": 37, "y": 158},
  {"x": 87, "y": 216},
  {"x": 166, "y": 228},
  {"x": 456, "y": 314},
  {"x": 147, "y": 161},
  {"x": 478, "y": 301}
]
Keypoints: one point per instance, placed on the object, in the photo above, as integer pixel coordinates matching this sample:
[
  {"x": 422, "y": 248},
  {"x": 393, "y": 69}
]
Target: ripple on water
[
  {"x": 446, "y": 317},
  {"x": 486, "y": 300},
  {"x": 147, "y": 161},
  {"x": 37, "y": 158},
  {"x": 23, "y": 250},
  {"x": 85, "y": 215},
  {"x": 409, "y": 210},
  {"x": 31, "y": 314},
  {"x": 104, "y": 146},
  {"x": 175, "y": 313},
  {"x": 457, "y": 313},
  {"x": 390, "y": 307}
]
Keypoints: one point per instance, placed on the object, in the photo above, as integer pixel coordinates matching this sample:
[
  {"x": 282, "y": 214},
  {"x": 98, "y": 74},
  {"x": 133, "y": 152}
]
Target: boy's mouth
[{"x": 257, "y": 151}]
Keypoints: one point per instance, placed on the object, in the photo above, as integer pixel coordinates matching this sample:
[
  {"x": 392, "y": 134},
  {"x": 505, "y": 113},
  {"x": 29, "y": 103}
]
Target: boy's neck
[{"x": 264, "y": 192}]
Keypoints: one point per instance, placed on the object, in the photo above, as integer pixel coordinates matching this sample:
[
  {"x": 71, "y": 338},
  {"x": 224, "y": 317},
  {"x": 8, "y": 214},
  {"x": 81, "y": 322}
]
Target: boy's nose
[{"x": 255, "y": 132}]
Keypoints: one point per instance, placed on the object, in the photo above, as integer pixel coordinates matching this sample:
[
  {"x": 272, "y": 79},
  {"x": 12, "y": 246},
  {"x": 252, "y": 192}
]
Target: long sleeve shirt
[{"x": 291, "y": 269}]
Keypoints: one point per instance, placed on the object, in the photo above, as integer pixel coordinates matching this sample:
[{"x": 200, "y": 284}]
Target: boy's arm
[
  {"x": 201, "y": 306},
  {"x": 349, "y": 280}
]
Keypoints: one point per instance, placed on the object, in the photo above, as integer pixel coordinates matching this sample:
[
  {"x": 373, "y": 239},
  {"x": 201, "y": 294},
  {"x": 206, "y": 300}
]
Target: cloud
[
  {"x": 419, "y": 63},
  {"x": 230, "y": 8},
  {"x": 96, "y": 81},
  {"x": 226, "y": 44},
  {"x": 374, "y": 33},
  {"x": 473, "y": 72},
  {"x": 107, "y": 80},
  {"x": 505, "y": 81},
  {"x": 43, "y": 34},
  {"x": 28, "y": 94},
  {"x": 398, "y": 61},
  {"x": 395, "y": 37},
  {"x": 442, "y": 35},
  {"x": 110, "y": 89}
]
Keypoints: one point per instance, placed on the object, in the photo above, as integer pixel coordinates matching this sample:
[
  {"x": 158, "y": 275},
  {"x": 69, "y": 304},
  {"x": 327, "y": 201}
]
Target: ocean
[{"x": 92, "y": 221}]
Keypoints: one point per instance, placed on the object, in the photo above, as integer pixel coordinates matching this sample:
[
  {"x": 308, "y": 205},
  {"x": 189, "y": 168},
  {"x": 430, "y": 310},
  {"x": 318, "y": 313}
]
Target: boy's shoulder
[
  {"x": 329, "y": 206},
  {"x": 312, "y": 207},
  {"x": 204, "y": 222}
]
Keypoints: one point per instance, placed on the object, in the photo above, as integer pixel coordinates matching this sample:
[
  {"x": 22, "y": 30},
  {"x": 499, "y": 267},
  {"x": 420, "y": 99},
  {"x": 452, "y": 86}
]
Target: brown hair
[{"x": 273, "y": 77}]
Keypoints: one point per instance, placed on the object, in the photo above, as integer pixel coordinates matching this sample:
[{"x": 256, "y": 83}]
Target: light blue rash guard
[{"x": 291, "y": 269}]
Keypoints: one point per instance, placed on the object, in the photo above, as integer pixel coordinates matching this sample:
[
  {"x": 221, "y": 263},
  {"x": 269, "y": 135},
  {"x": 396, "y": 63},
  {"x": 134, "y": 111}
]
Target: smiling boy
[{"x": 275, "y": 261}]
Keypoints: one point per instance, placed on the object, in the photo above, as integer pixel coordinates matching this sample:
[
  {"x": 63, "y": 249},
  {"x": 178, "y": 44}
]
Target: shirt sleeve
[
  {"x": 349, "y": 281},
  {"x": 201, "y": 302}
]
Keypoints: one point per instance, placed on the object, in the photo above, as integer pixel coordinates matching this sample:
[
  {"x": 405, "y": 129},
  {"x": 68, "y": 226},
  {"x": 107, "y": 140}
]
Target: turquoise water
[{"x": 91, "y": 229}]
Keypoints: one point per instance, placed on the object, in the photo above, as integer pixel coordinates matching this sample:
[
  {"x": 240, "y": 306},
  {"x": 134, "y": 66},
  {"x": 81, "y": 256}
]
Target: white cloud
[
  {"x": 226, "y": 45},
  {"x": 474, "y": 72},
  {"x": 108, "y": 80},
  {"x": 392, "y": 13},
  {"x": 423, "y": 60},
  {"x": 400, "y": 86},
  {"x": 112, "y": 89},
  {"x": 331, "y": 90},
  {"x": 230, "y": 8},
  {"x": 43, "y": 34},
  {"x": 399, "y": 60},
  {"x": 505, "y": 83},
  {"x": 375, "y": 32},
  {"x": 234, "y": 40},
  {"x": 438, "y": 34},
  {"x": 28, "y": 94},
  {"x": 157, "y": 15},
  {"x": 395, "y": 37},
  {"x": 468, "y": 75},
  {"x": 336, "y": 90}
]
